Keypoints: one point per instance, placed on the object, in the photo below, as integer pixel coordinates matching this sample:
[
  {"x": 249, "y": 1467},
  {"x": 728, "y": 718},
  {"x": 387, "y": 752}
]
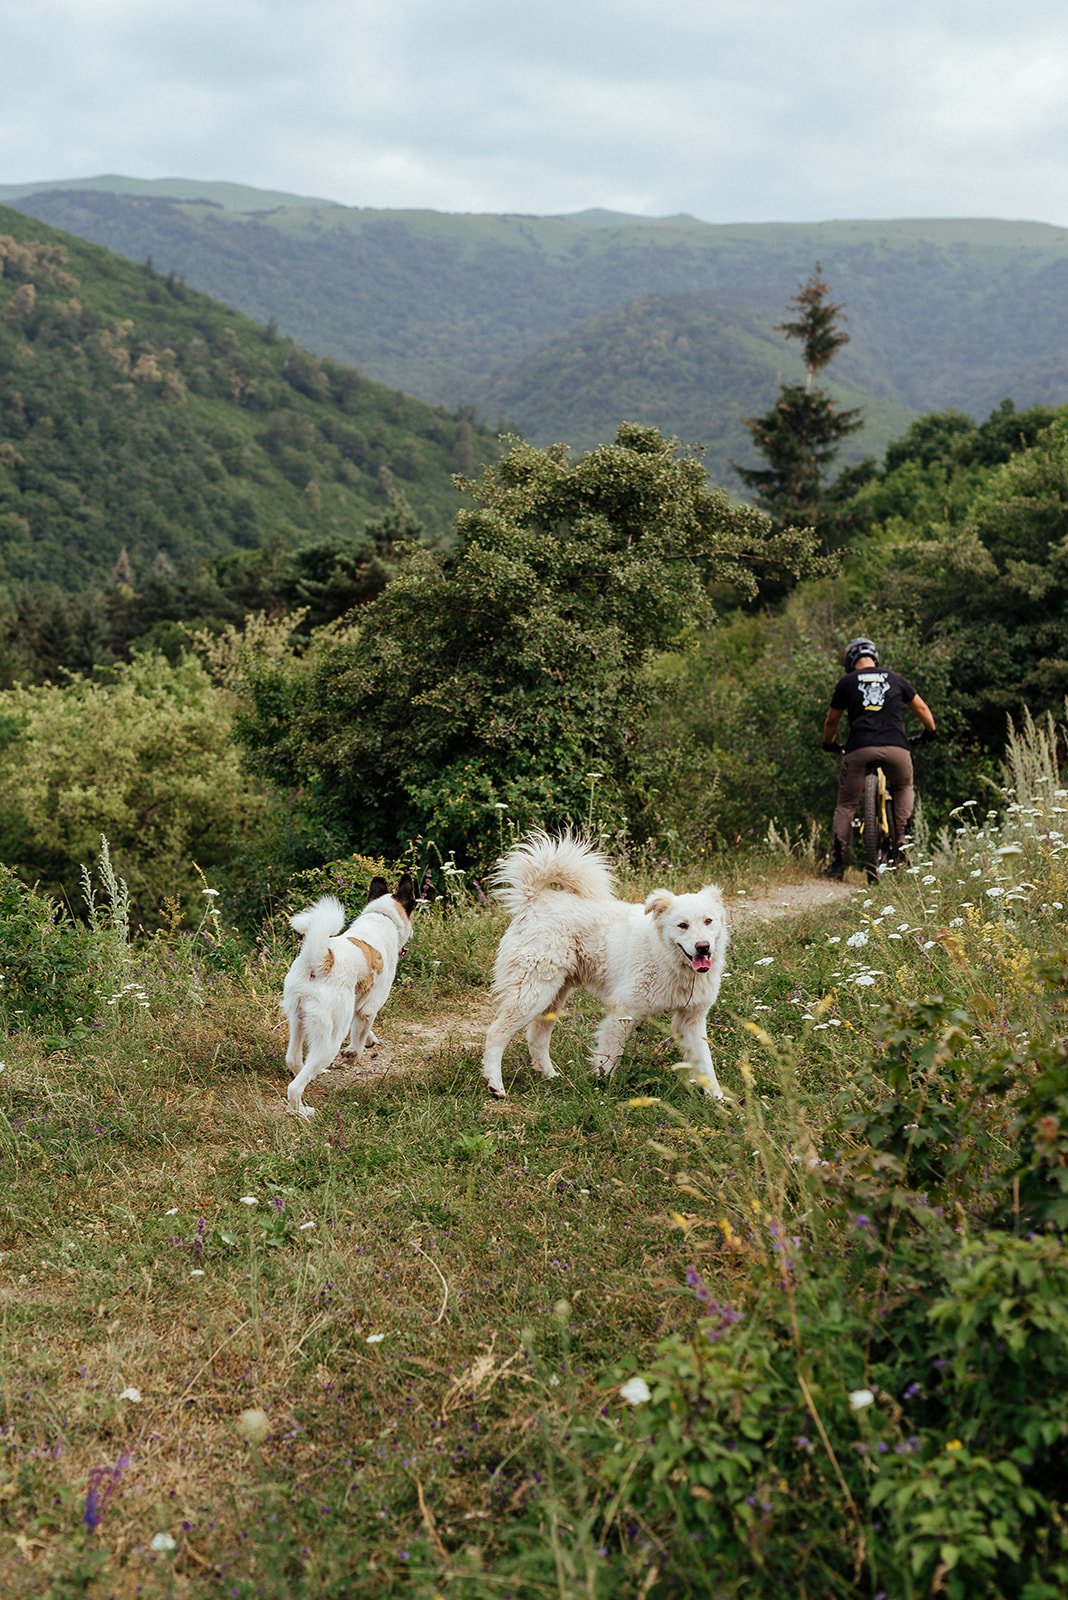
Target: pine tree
[{"x": 800, "y": 436}]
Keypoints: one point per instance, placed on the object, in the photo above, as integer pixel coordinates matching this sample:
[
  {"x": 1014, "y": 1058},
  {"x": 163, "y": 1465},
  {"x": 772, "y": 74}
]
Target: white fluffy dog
[
  {"x": 341, "y": 980},
  {"x": 569, "y": 931}
]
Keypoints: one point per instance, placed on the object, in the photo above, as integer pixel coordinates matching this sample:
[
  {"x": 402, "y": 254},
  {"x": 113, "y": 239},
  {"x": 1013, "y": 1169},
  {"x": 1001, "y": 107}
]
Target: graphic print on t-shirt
[{"x": 873, "y": 687}]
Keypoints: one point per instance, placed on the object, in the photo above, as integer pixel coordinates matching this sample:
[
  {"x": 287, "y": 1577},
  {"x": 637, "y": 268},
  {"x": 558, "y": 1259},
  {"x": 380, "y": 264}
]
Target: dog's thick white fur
[
  {"x": 340, "y": 981},
  {"x": 570, "y": 931}
]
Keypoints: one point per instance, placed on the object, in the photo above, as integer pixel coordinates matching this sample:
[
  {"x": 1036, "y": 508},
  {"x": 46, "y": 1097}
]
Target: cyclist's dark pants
[{"x": 896, "y": 763}]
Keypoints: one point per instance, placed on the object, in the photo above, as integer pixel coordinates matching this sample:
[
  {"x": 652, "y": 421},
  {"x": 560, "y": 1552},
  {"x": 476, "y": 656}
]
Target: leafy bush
[
  {"x": 144, "y": 758},
  {"x": 46, "y": 962}
]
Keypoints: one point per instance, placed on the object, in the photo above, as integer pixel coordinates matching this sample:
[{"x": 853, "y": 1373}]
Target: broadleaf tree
[{"x": 482, "y": 689}]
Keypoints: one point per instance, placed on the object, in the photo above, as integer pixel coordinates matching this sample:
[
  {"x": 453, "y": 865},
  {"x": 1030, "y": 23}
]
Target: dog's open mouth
[{"x": 701, "y": 963}]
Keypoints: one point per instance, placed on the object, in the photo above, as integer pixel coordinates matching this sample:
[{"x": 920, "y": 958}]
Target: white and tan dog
[
  {"x": 341, "y": 980},
  {"x": 570, "y": 931}
]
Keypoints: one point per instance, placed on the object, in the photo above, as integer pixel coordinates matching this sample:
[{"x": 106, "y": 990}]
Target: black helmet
[{"x": 857, "y": 648}]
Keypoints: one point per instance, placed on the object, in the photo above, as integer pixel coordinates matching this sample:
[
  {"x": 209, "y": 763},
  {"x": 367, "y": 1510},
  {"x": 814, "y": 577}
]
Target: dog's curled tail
[
  {"x": 319, "y": 924},
  {"x": 543, "y": 861}
]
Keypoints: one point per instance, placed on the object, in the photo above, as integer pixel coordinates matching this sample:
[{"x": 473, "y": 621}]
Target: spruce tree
[{"x": 799, "y": 437}]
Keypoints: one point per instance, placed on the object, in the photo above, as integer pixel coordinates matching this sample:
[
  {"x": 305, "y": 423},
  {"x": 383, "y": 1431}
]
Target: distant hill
[
  {"x": 138, "y": 415},
  {"x": 508, "y": 313}
]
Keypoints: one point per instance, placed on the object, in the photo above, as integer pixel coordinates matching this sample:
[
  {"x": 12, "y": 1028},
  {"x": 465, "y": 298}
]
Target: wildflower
[
  {"x": 375, "y": 1338},
  {"x": 131, "y": 1394},
  {"x": 639, "y": 1100},
  {"x": 858, "y": 940},
  {"x": 863, "y": 980},
  {"x": 954, "y": 1444},
  {"x": 859, "y": 1398},
  {"x": 103, "y": 1481},
  {"x": 248, "y": 1200},
  {"x": 173, "y": 1212},
  {"x": 163, "y": 1541},
  {"x": 305, "y": 1225},
  {"x": 764, "y": 961},
  {"x": 995, "y": 893},
  {"x": 211, "y": 892},
  {"x": 636, "y": 1392}
]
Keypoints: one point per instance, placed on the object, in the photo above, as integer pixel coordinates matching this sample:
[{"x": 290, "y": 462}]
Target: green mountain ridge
[
  {"x": 488, "y": 310},
  {"x": 142, "y": 423}
]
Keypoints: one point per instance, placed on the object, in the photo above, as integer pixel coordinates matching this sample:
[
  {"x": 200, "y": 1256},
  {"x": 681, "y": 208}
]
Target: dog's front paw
[{"x": 298, "y": 1109}]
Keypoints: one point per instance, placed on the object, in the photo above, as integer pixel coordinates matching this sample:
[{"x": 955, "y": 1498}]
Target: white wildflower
[
  {"x": 858, "y": 940},
  {"x": 636, "y": 1392},
  {"x": 131, "y": 1394},
  {"x": 859, "y": 1398},
  {"x": 163, "y": 1541},
  {"x": 248, "y": 1200}
]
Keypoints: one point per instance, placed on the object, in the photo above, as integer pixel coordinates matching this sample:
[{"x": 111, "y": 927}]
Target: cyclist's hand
[
  {"x": 832, "y": 747},
  {"x": 928, "y": 736}
]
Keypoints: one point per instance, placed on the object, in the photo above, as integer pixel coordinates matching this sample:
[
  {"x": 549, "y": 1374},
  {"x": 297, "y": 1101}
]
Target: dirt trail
[
  {"x": 408, "y": 1044},
  {"x": 788, "y": 900}
]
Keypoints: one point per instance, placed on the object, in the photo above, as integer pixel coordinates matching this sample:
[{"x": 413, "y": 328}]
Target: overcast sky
[{"x": 731, "y": 110}]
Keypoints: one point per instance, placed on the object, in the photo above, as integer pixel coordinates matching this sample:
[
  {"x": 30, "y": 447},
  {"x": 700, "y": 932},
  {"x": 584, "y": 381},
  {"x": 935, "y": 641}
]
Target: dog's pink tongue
[{"x": 701, "y": 963}]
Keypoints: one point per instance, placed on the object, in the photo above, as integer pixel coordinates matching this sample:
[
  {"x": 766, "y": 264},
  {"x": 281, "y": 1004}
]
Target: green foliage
[
  {"x": 800, "y": 436},
  {"x": 137, "y": 416},
  {"x": 144, "y": 758},
  {"x": 506, "y": 676},
  {"x": 997, "y": 589},
  {"x": 46, "y": 967},
  {"x": 542, "y": 319}
]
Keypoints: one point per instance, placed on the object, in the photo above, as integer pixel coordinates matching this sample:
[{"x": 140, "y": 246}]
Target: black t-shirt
[{"x": 872, "y": 699}]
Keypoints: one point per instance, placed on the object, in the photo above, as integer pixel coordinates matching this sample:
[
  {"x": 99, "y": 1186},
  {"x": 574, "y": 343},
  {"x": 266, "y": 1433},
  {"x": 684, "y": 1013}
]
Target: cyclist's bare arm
[
  {"x": 833, "y": 718},
  {"x": 923, "y": 711}
]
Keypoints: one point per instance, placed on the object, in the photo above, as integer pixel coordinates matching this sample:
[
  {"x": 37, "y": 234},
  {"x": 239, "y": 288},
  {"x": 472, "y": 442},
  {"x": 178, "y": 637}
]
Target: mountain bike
[{"x": 879, "y": 837}]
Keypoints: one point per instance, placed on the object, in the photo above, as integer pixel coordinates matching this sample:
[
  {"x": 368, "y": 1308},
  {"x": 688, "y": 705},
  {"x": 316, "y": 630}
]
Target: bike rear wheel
[
  {"x": 879, "y": 826},
  {"x": 870, "y": 827}
]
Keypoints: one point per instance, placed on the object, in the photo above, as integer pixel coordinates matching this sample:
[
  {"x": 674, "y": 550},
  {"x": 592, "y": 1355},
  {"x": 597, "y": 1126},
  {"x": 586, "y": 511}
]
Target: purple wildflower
[{"x": 103, "y": 1481}]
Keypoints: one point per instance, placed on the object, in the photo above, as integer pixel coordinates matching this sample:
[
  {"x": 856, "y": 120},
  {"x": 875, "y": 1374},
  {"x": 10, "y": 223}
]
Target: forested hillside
[
  {"x": 506, "y": 313},
  {"x": 145, "y": 429}
]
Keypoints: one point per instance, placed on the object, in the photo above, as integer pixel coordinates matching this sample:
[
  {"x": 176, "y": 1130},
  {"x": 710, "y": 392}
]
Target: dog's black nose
[{"x": 702, "y": 949}]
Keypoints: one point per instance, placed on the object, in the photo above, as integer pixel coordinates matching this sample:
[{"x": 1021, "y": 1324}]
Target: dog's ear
[
  {"x": 659, "y": 903},
  {"x": 406, "y": 894},
  {"x": 378, "y": 888}
]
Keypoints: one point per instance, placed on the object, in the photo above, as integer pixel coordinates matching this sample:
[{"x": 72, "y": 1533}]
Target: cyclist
[{"x": 873, "y": 699}]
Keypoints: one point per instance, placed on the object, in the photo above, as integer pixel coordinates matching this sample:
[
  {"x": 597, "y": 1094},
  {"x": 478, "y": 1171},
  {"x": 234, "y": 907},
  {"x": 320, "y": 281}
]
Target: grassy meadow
[{"x": 593, "y": 1340}]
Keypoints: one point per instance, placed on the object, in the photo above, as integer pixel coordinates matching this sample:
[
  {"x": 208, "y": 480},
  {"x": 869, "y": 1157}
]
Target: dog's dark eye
[
  {"x": 683, "y": 926},
  {"x": 708, "y": 922}
]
